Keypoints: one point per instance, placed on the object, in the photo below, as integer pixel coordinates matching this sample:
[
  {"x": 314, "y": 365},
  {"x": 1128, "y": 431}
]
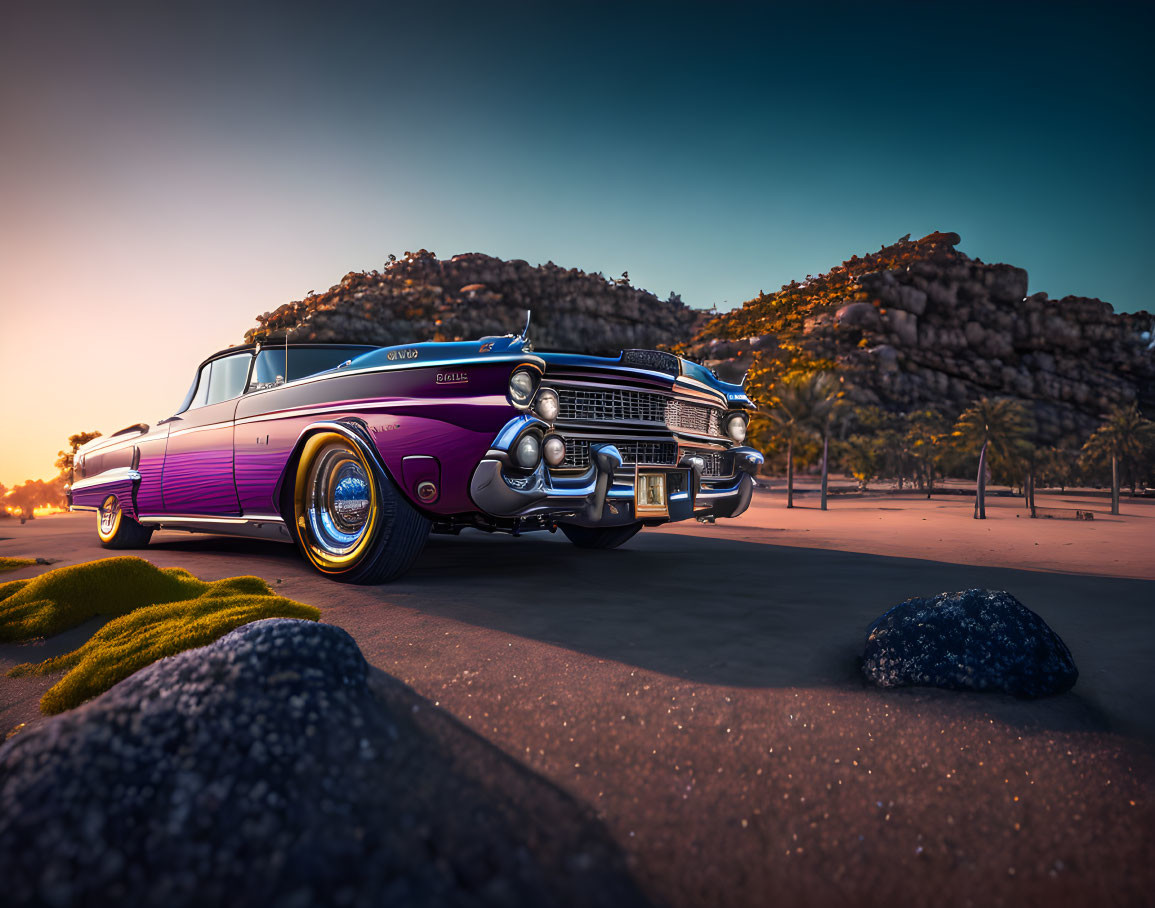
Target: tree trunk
[
  {"x": 825, "y": 453},
  {"x": 1115, "y": 484},
  {"x": 929, "y": 479},
  {"x": 790, "y": 473},
  {"x": 1031, "y": 492},
  {"x": 981, "y": 486}
]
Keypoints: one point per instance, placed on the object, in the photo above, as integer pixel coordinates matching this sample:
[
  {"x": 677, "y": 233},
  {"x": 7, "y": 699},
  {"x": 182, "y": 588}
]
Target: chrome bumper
[{"x": 604, "y": 494}]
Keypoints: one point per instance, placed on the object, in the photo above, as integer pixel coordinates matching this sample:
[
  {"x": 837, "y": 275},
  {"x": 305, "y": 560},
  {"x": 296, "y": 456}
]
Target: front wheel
[
  {"x": 600, "y": 537},
  {"x": 350, "y": 520},
  {"x": 116, "y": 530}
]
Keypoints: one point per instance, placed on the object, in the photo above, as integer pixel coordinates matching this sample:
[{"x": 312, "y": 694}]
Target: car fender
[
  {"x": 352, "y": 428},
  {"x": 88, "y": 494}
]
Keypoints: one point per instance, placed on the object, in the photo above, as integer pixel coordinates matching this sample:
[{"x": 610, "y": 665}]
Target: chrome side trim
[
  {"x": 259, "y": 526},
  {"x": 119, "y": 474},
  {"x": 338, "y": 408}
]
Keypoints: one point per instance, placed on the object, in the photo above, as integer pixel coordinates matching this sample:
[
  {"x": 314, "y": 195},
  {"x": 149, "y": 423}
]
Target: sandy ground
[
  {"x": 943, "y": 528},
  {"x": 699, "y": 690}
]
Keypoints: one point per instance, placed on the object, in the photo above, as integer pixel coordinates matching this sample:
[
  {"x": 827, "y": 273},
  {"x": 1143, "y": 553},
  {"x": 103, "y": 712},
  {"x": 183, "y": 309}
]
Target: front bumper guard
[{"x": 583, "y": 499}]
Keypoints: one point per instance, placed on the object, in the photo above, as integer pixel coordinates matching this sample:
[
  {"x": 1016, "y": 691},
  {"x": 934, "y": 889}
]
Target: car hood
[{"x": 654, "y": 362}]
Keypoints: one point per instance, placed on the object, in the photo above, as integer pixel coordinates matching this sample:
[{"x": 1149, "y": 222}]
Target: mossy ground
[
  {"x": 157, "y": 613},
  {"x": 12, "y": 564}
]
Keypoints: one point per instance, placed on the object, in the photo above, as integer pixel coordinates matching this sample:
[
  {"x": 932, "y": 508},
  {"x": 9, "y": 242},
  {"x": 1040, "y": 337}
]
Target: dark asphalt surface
[{"x": 702, "y": 695}]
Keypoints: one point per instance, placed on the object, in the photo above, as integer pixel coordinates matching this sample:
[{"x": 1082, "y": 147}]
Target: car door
[{"x": 198, "y": 465}]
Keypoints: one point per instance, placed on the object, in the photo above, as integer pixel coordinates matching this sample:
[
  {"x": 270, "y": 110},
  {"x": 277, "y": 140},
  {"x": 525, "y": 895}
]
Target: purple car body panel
[{"x": 198, "y": 462}]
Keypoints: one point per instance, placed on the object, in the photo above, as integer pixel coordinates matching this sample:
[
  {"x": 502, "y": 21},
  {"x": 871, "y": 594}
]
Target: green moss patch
[
  {"x": 157, "y": 612},
  {"x": 12, "y": 564}
]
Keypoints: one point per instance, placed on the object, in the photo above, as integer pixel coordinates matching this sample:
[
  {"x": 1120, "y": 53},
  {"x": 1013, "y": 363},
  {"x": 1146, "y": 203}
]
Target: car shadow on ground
[
  {"x": 749, "y": 614},
  {"x": 733, "y": 613}
]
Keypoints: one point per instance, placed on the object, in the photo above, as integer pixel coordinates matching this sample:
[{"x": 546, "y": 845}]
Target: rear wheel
[
  {"x": 117, "y": 530},
  {"x": 600, "y": 537},
  {"x": 350, "y": 520}
]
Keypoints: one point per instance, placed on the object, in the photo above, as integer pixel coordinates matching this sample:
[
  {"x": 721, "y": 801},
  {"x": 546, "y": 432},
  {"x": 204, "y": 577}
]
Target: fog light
[
  {"x": 554, "y": 450},
  {"x": 426, "y": 491},
  {"x": 546, "y": 404},
  {"x": 528, "y": 451}
]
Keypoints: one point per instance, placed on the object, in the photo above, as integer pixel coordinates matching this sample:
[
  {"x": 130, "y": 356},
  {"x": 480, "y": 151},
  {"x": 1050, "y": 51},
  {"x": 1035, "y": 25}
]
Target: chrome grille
[
  {"x": 715, "y": 463},
  {"x": 611, "y": 405},
  {"x": 620, "y": 405},
  {"x": 695, "y": 418},
  {"x": 646, "y": 453}
]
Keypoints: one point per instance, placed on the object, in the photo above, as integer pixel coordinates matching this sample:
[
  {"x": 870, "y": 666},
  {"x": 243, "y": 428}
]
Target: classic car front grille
[
  {"x": 646, "y": 453},
  {"x": 620, "y": 405},
  {"x": 690, "y": 417},
  {"x": 611, "y": 405},
  {"x": 715, "y": 463}
]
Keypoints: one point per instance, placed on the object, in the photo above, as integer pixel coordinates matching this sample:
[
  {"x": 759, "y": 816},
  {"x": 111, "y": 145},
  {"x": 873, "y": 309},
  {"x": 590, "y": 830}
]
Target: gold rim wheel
[
  {"x": 335, "y": 502},
  {"x": 108, "y": 519}
]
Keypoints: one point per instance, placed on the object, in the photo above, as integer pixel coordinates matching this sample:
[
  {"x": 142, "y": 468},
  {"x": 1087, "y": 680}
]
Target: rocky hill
[
  {"x": 920, "y": 324},
  {"x": 916, "y": 324},
  {"x": 420, "y": 297}
]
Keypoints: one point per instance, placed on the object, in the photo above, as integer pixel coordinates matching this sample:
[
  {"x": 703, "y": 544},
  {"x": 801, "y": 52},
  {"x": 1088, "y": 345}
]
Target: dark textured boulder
[
  {"x": 973, "y": 640},
  {"x": 274, "y": 767}
]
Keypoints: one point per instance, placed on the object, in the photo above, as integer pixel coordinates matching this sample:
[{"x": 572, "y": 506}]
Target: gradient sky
[{"x": 170, "y": 170}]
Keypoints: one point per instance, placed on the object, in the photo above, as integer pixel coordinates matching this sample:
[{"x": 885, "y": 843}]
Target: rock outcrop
[
  {"x": 919, "y": 324},
  {"x": 273, "y": 767},
  {"x": 421, "y": 297},
  {"x": 982, "y": 640}
]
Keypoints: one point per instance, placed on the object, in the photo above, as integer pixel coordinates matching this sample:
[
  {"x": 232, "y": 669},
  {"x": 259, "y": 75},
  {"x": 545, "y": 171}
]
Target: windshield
[{"x": 270, "y": 370}]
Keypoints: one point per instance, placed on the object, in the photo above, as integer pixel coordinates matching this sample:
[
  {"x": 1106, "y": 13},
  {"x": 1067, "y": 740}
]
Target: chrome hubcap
[
  {"x": 108, "y": 515},
  {"x": 337, "y": 500}
]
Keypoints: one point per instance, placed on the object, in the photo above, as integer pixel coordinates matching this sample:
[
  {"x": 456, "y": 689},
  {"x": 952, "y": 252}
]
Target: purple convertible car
[{"x": 356, "y": 453}]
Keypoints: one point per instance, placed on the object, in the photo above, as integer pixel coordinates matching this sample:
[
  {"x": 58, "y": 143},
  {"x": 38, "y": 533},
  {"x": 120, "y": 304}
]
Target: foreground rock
[
  {"x": 973, "y": 640},
  {"x": 264, "y": 770}
]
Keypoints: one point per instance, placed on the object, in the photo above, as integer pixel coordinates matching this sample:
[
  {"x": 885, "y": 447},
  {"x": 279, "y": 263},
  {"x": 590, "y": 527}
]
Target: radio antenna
[{"x": 287, "y": 330}]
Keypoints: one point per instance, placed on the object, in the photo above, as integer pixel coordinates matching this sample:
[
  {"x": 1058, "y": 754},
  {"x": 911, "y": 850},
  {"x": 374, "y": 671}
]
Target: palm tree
[
  {"x": 859, "y": 455},
  {"x": 998, "y": 429},
  {"x": 825, "y": 394},
  {"x": 925, "y": 433},
  {"x": 1123, "y": 437},
  {"x": 1056, "y": 466},
  {"x": 804, "y": 404},
  {"x": 788, "y": 416}
]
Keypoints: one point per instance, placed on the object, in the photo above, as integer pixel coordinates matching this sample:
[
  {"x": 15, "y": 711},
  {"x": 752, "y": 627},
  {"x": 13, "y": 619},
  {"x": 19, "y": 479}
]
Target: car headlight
[
  {"x": 554, "y": 450},
  {"x": 521, "y": 387},
  {"x": 527, "y": 454},
  {"x": 736, "y": 427},
  {"x": 546, "y": 404}
]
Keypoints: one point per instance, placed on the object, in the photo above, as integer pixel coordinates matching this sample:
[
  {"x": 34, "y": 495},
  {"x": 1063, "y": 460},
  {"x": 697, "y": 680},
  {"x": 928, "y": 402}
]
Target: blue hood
[{"x": 503, "y": 348}]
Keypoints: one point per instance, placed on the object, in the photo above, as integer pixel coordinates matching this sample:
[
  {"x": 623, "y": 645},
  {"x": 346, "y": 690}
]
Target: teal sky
[{"x": 172, "y": 170}]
